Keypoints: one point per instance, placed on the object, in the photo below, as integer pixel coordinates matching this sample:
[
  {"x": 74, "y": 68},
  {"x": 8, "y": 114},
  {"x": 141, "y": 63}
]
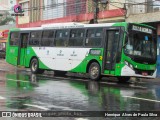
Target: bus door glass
[
  {"x": 22, "y": 48},
  {"x": 111, "y": 48}
]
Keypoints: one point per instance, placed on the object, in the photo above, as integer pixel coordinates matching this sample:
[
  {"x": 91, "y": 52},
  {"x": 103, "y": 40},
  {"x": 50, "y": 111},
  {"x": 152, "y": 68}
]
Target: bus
[{"x": 119, "y": 49}]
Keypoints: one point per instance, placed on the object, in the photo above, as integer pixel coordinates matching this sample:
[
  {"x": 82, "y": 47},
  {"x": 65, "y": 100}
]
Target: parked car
[{"x": 2, "y": 54}]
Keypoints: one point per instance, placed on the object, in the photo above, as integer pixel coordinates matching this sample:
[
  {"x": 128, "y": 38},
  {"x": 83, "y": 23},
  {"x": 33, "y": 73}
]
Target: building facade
[
  {"x": 38, "y": 12},
  {"x": 6, "y": 20}
]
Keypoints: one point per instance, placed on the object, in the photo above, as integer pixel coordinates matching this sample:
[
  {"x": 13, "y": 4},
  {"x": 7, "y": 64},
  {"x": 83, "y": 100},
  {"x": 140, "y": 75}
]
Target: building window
[{"x": 25, "y": 7}]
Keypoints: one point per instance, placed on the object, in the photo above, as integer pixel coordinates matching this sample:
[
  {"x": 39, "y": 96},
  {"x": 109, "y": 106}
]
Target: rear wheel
[
  {"x": 94, "y": 71},
  {"x": 34, "y": 66}
]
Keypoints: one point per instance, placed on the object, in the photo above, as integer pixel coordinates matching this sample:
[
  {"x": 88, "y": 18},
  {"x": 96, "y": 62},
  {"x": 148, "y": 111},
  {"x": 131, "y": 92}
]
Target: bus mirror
[
  {"x": 126, "y": 42},
  {"x": 127, "y": 34}
]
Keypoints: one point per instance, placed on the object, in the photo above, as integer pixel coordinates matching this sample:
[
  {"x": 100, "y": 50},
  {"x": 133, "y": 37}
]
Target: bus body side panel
[
  {"x": 12, "y": 51},
  {"x": 82, "y": 67},
  {"x": 30, "y": 53},
  {"x": 12, "y": 55},
  {"x": 58, "y": 58}
]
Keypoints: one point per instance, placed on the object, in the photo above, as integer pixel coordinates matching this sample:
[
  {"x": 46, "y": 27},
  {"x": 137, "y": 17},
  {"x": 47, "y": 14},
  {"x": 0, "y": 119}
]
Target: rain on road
[{"x": 22, "y": 91}]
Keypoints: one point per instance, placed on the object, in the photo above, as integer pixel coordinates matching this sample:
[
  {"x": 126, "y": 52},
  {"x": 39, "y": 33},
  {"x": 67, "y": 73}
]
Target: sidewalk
[{"x": 4, "y": 66}]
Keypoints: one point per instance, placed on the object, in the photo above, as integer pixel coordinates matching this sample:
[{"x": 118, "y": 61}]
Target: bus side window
[
  {"x": 47, "y": 38},
  {"x": 94, "y": 37},
  {"x": 34, "y": 38},
  {"x": 76, "y": 37},
  {"x": 14, "y": 38},
  {"x": 61, "y": 38}
]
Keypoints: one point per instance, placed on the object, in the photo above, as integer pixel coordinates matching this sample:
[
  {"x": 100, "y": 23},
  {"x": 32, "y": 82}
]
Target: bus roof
[
  {"x": 74, "y": 25},
  {"x": 69, "y": 25}
]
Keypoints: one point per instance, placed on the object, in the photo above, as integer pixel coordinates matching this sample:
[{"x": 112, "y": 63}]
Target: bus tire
[
  {"x": 123, "y": 79},
  {"x": 34, "y": 66},
  {"x": 94, "y": 71}
]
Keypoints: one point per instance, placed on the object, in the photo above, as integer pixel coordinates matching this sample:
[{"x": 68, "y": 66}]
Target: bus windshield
[{"x": 141, "y": 44}]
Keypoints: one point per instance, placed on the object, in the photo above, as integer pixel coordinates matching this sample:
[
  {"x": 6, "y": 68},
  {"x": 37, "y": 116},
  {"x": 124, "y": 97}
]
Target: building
[
  {"x": 38, "y": 12},
  {"x": 6, "y": 20}
]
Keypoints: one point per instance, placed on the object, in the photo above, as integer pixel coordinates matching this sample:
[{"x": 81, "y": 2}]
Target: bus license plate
[{"x": 144, "y": 73}]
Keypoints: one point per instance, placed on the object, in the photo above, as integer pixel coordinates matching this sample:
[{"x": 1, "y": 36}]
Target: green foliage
[{"x": 6, "y": 20}]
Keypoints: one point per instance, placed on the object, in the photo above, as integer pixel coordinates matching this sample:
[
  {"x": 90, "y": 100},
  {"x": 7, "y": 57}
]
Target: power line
[{"x": 67, "y": 4}]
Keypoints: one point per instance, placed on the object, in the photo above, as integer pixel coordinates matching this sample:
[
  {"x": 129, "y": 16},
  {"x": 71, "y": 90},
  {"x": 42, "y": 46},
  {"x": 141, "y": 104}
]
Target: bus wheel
[
  {"x": 94, "y": 71},
  {"x": 123, "y": 79},
  {"x": 34, "y": 66}
]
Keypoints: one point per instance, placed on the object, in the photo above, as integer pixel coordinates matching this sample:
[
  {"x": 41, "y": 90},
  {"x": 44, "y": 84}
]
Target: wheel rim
[
  {"x": 94, "y": 71},
  {"x": 34, "y": 65}
]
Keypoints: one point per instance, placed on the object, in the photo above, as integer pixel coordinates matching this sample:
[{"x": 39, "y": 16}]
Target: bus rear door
[
  {"x": 110, "y": 51},
  {"x": 22, "y": 48}
]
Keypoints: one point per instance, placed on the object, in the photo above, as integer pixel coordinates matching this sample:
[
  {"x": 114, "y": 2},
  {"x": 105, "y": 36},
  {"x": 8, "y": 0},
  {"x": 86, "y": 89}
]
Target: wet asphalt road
[{"x": 22, "y": 91}]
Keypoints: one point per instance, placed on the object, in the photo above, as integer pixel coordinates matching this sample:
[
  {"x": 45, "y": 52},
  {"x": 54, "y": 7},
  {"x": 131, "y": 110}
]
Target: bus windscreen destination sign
[{"x": 142, "y": 29}]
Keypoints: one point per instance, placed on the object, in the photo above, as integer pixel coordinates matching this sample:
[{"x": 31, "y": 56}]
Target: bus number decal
[
  {"x": 73, "y": 54},
  {"x": 60, "y": 53}
]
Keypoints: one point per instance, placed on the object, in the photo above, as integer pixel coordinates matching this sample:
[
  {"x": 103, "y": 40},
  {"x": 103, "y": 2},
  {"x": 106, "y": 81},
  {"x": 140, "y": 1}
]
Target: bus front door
[
  {"x": 110, "y": 51},
  {"x": 22, "y": 48}
]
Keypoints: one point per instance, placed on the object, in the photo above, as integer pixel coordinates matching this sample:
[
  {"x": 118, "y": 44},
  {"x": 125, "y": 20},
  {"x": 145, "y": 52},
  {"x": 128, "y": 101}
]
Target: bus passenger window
[
  {"x": 34, "y": 38},
  {"x": 47, "y": 38},
  {"x": 14, "y": 38},
  {"x": 76, "y": 37},
  {"x": 61, "y": 38},
  {"x": 94, "y": 37}
]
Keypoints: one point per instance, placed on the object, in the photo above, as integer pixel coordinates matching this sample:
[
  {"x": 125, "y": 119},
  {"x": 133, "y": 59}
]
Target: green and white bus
[{"x": 120, "y": 49}]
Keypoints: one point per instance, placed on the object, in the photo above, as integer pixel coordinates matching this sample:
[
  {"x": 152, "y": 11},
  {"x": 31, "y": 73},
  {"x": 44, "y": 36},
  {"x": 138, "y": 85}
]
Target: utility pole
[{"x": 96, "y": 10}]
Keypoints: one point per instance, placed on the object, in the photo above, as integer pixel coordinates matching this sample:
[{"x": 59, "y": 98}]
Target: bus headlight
[
  {"x": 126, "y": 62},
  {"x": 131, "y": 66}
]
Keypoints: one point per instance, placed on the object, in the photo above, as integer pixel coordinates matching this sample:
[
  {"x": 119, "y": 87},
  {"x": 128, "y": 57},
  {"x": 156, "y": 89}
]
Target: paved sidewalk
[{"x": 4, "y": 66}]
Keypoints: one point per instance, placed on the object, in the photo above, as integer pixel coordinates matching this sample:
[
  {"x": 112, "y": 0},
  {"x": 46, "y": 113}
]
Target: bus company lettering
[
  {"x": 142, "y": 29},
  {"x": 47, "y": 52},
  {"x": 60, "y": 53},
  {"x": 73, "y": 54},
  {"x": 12, "y": 50}
]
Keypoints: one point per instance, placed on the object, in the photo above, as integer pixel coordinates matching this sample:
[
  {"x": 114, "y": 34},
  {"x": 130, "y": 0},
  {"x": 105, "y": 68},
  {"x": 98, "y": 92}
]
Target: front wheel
[
  {"x": 34, "y": 66},
  {"x": 94, "y": 71}
]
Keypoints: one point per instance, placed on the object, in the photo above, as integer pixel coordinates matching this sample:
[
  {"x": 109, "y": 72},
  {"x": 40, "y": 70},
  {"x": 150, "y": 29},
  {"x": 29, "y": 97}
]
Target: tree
[{"x": 5, "y": 18}]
